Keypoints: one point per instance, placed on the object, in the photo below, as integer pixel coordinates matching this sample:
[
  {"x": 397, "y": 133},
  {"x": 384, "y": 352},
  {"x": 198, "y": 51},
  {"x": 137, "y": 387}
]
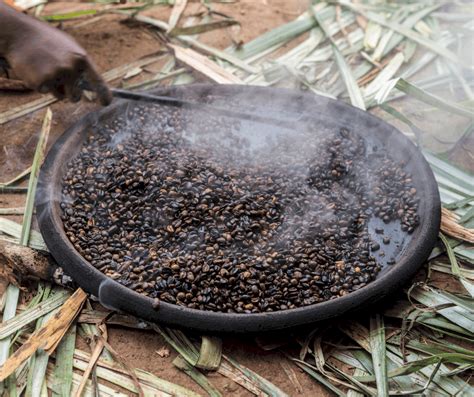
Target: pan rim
[{"x": 127, "y": 300}]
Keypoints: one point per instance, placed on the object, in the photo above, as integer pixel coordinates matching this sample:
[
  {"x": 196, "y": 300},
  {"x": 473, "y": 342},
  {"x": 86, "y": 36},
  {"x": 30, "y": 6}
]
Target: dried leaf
[
  {"x": 202, "y": 28},
  {"x": 377, "y": 344},
  {"x": 48, "y": 336},
  {"x": 197, "y": 376},
  {"x": 204, "y": 65},
  {"x": 176, "y": 12},
  {"x": 61, "y": 379},
  {"x": 210, "y": 353},
  {"x": 450, "y": 226},
  {"x": 33, "y": 181}
]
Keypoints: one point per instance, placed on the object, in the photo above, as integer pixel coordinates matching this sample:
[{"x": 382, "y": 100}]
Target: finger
[
  {"x": 59, "y": 91},
  {"x": 73, "y": 89},
  {"x": 76, "y": 92},
  {"x": 54, "y": 86},
  {"x": 97, "y": 84}
]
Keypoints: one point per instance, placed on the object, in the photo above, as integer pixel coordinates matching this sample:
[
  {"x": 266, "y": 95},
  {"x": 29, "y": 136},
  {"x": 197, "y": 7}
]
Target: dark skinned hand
[{"x": 47, "y": 59}]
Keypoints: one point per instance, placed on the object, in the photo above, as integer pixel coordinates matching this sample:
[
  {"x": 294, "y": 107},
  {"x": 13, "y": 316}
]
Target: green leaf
[
  {"x": 69, "y": 15},
  {"x": 33, "y": 181},
  {"x": 456, "y": 269},
  {"x": 282, "y": 34},
  {"x": 346, "y": 73},
  {"x": 17, "y": 178},
  {"x": 9, "y": 311},
  {"x": 210, "y": 353},
  {"x": 459, "y": 203},
  {"x": 13, "y": 229},
  {"x": 61, "y": 379},
  {"x": 151, "y": 384},
  {"x": 265, "y": 385},
  {"x": 409, "y": 33},
  {"x": 467, "y": 216},
  {"x": 431, "y": 99},
  {"x": 377, "y": 343},
  {"x": 202, "y": 28},
  {"x": 197, "y": 376},
  {"x": 7, "y": 328},
  {"x": 319, "y": 378}
]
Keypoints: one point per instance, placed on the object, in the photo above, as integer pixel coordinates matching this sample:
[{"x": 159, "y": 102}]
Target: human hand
[{"x": 49, "y": 60}]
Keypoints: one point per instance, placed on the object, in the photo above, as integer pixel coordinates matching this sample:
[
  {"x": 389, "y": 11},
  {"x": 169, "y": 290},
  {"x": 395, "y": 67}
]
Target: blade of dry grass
[
  {"x": 27, "y": 108},
  {"x": 176, "y": 12},
  {"x": 13, "y": 229},
  {"x": 17, "y": 178},
  {"x": 320, "y": 378},
  {"x": 99, "y": 346},
  {"x": 384, "y": 75},
  {"x": 372, "y": 35},
  {"x": 12, "y": 211},
  {"x": 409, "y": 33},
  {"x": 431, "y": 99},
  {"x": 377, "y": 344},
  {"x": 346, "y": 74},
  {"x": 38, "y": 364},
  {"x": 202, "y": 27},
  {"x": 264, "y": 385},
  {"x": 204, "y": 66},
  {"x": 12, "y": 294},
  {"x": 456, "y": 270},
  {"x": 150, "y": 383},
  {"x": 292, "y": 376},
  {"x": 210, "y": 353},
  {"x": 9, "y": 327},
  {"x": 450, "y": 226},
  {"x": 61, "y": 377},
  {"x": 197, "y": 376},
  {"x": 48, "y": 336},
  {"x": 33, "y": 181}
]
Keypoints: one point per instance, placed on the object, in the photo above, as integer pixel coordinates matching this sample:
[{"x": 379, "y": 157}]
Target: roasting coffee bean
[{"x": 203, "y": 222}]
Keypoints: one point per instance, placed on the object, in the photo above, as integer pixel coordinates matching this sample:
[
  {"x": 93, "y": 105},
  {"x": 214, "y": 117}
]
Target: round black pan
[{"x": 410, "y": 251}]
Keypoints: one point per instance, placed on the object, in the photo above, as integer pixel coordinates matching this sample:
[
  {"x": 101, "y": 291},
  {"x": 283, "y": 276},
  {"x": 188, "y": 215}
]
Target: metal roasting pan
[{"x": 410, "y": 252}]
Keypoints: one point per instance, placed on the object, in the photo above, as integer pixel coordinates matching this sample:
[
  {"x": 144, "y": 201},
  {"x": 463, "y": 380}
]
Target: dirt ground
[{"x": 112, "y": 43}]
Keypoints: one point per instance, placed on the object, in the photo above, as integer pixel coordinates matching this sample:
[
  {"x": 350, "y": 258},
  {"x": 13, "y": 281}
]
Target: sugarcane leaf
[
  {"x": 456, "y": 270},
  {"x": 372, "y": 35},
  {"x": 210, "y": 353},
  {"x": 69, "y": 15},
  {"x": 202, "y": 28},
  {"x": 197, "y": 376},
  {"x": 33, "y": 181},
  {"x": 431, "y": 99},
  {"x": 17, "y": 178},
  {"x": 385, "y": 75},
  {"x": 409, "y": 33},
  {"x": 176, "y": 12},
  {"x": 319, "y": 378},
  {"x": 467, "y": 216},
  {"x": 377, "y": 343},
  {"x": 61, "y": 379},
  {"x": 349, "y": 80},
  {"x": 9, "y": 311},
  {"x": 264, "y": 384},
  {"x": 9, "y": 327}
]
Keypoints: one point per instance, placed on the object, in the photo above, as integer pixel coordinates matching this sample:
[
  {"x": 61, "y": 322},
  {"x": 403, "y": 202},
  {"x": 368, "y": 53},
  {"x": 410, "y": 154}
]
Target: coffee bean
[{"x": 204, "y": 223}]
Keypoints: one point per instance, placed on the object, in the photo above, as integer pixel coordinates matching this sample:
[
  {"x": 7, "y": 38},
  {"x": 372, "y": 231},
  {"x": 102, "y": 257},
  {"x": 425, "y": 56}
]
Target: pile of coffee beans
[{"x": 207, "y": 215}]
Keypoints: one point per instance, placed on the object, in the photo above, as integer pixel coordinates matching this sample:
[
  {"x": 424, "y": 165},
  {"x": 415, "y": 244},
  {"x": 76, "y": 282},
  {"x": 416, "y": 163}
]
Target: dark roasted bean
[{"x": 201, "y": 221}]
